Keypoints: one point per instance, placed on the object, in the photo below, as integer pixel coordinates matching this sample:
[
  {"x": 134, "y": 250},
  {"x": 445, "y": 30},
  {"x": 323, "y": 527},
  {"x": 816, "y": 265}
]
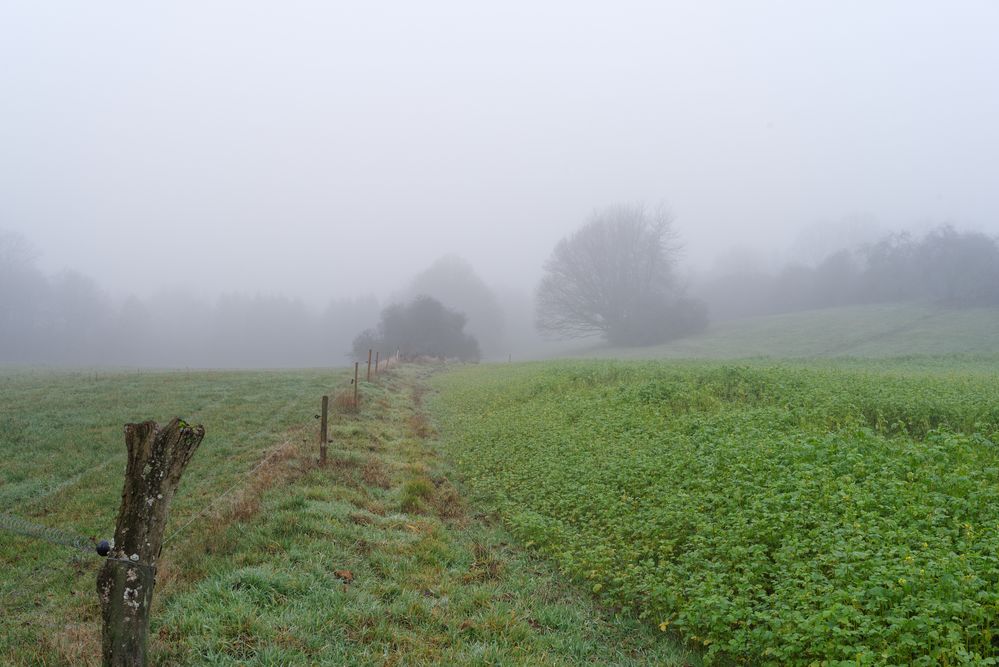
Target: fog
[{"x": 296, "y": 166}]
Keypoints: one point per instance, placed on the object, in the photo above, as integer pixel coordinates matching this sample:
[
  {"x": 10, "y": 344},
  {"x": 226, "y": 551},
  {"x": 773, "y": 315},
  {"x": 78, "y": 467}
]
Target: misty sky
[{"x": 324, "y": 149}]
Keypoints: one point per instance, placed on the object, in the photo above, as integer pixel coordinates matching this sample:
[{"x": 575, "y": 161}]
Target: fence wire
[
  {"x": 20, "y": 526},
  {"x": 218, "y": 499},
  {"x": 80, "y": 543}
]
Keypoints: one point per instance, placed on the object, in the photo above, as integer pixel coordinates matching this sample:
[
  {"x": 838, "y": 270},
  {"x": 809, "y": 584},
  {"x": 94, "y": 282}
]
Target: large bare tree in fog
[{"x": 615, "y": 277}]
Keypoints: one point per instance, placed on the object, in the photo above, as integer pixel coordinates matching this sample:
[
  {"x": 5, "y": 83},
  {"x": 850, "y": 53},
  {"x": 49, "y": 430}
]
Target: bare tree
[{"x": 615, "y": 277}]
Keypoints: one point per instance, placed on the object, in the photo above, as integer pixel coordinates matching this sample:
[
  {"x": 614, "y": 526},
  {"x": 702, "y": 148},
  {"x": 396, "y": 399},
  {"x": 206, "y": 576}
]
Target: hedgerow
[{"x": 776, "y": 515}]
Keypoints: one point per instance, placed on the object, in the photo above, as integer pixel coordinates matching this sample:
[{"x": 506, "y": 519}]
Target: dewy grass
[
  {"x": 374, "y": 559},
  {"x": 64, "y": 453}
]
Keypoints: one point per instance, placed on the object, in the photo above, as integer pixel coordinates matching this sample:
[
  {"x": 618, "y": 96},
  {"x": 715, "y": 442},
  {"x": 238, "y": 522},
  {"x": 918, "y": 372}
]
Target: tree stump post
[{"x": 157, "y": 458}]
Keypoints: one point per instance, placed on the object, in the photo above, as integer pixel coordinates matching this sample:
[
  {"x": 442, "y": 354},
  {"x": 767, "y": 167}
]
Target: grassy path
[{"x": 374, "y": 559}]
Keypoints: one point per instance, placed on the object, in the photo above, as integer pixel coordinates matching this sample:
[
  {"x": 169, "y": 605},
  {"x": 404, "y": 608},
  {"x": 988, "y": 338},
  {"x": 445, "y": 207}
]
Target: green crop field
[{"x": 807, "y": 513}]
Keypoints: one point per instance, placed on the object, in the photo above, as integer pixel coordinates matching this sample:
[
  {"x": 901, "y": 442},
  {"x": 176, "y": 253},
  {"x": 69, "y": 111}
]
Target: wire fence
[
  {"x": 58, "y": 536},
  {"x": 205, "y": 510},
  {"x": 18, "y": 589},
  {"x": 90, "y": 545}
]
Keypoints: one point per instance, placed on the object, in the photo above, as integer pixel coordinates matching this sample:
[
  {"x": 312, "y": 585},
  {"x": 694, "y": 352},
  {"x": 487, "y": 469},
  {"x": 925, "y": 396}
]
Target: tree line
[
  {"x": 67, "y": 319},
  {"x": 615, "y": 278},
  {"x": 945, "y": 266}
]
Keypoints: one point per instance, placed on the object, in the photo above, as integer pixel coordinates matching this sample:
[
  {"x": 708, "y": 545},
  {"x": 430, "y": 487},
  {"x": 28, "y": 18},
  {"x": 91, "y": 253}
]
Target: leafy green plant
[{"x": 786, "y": 514}]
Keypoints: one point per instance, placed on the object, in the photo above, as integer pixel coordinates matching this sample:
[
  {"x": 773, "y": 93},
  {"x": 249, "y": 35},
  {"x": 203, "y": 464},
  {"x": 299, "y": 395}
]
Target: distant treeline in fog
[
  {"x": 69, "y": 320},
  {"x": 945, "y": 266}
]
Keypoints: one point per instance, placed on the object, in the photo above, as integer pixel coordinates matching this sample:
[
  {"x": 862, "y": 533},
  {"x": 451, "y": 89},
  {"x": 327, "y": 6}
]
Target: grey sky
[{"x": 328, "y": 149}]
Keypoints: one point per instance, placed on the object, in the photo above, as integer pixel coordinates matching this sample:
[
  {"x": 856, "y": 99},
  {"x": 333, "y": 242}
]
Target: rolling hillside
[{"x": 891, "y": 330}]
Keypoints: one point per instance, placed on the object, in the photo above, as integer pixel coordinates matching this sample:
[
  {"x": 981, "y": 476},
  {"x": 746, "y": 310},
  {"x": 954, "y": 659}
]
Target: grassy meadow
[
  {"x": 868, "y": 332},
  {"x": 64, "y": 455},
  {"x": 377, "y": 558}
]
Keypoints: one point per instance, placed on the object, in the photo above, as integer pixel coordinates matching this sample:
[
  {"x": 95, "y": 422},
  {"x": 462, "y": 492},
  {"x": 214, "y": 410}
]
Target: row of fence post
[
  {"x": 157, "y": 458},
  {"x": 125, "y": 583},
  {"x": 324, "y": 414}
]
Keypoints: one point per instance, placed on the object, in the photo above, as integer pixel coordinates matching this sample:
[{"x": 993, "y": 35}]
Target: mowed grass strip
[
  {"x": 783, "y": 515},
  {"x": 374, "y": 559}
]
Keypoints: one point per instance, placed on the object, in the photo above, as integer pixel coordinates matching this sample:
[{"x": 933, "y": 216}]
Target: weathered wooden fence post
[
  {"x": 323, "y": 434},
  {"x": 368, "y": 379},
  {"x": 376, "y": 363},
  {"x": 156, "y": 460}
]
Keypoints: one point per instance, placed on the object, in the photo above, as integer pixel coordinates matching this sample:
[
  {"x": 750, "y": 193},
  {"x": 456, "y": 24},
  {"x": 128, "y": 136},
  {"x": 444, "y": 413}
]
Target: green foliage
[
  {"x": 422, "y": 327},
  {"x": 454, "y": 282},
  {"x": 776, "y": 514}
]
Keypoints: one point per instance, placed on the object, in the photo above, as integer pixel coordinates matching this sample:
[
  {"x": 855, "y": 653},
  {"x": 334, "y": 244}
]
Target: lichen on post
[{"x": 157, "y": 458}]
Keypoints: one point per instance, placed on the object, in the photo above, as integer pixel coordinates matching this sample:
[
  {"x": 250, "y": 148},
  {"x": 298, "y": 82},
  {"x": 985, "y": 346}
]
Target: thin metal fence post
[{"x": 323, "y": 433}]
